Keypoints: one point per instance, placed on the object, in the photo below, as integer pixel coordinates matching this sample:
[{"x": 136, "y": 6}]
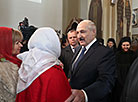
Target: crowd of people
[{"x": 84, "y": 70}]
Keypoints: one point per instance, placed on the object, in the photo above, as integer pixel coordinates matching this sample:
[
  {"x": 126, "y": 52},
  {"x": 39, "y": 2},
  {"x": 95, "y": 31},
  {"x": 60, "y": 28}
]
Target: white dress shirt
[{"x": 87, "y": 47}]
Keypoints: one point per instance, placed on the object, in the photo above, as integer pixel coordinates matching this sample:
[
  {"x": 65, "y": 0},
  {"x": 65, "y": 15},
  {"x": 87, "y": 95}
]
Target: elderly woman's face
[
  {"x": 125, "y": 46},
  {"x": 16, "y": 48}
]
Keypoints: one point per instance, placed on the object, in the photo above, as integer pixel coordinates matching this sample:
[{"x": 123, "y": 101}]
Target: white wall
[
  {"x": 84, "y": 9},
  {"x": 46, "y": 13},
  {"x": 134, "y": 3}
]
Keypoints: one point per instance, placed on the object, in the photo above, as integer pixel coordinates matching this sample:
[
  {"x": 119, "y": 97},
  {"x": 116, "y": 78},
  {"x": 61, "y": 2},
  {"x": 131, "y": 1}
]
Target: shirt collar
[
  {"x": 88, "y": 46},
  {"x": 72, "y": 48}
]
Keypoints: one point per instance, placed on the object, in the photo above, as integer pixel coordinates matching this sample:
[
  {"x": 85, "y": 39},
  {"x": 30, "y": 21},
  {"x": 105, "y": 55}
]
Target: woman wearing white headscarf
[{"x": 41, "y": 79}]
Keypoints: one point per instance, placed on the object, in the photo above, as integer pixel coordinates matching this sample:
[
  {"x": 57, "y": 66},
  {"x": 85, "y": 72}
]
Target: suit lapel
[
  {"x": 89, "y": 53},
  {"x": 74, "y": 57},
  {"x": 68, "y": 49},
  {"x": 77, "y": 52}
]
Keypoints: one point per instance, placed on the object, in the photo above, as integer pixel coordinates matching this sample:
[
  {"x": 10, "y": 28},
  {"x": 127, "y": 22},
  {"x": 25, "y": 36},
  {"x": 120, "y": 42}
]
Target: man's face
[
  {"x": 72, "y": 38},
  {"x": 84, "y": 35},
  {"x": 125, "y": 46},
  {"x": 110, "y": 44}
]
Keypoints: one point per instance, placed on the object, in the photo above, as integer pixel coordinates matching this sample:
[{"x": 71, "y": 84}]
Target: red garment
[
  {"x": 6, "y": 45},
  {"x": 50, "y": 86}
]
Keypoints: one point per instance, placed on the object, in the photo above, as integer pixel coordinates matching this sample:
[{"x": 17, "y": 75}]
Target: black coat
[
  {"x": 124, "y": 60},
  {"x": 66, "y": 58},
  {"x": 130, "y": 91},
  {"x": 95, "y": 73}
]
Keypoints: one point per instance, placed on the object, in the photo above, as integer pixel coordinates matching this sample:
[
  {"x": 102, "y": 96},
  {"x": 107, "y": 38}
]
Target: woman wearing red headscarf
[{"x": 10, "y": 45}]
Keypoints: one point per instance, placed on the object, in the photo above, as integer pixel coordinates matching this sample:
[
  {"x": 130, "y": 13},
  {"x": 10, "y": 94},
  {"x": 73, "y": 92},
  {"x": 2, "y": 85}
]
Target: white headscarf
[{"x": 44, "y": 50}]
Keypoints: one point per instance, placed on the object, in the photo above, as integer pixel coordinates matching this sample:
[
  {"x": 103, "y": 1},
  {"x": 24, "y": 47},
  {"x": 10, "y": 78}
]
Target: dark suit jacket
[
  {"x": 66, "y": 58},
  {"x": 95, "y": 73}
]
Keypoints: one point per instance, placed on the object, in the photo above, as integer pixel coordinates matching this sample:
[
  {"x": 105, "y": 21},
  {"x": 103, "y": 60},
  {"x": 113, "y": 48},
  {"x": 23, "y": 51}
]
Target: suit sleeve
[{"x": 105, "y": 80}]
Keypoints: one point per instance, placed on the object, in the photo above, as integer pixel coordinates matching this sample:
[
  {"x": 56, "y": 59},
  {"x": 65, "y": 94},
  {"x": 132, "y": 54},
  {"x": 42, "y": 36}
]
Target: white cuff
[{"x": 86, "y": 98}]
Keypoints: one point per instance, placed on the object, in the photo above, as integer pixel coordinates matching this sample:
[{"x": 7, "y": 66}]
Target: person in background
[
  {"x": 111, "y": 44},
  {"x": 134, "y": 46},
  {"x": 27, "y": 31},
  {"x": 64, "y": 41},
  {"x": 93, "y": 67},
  {"x": 68, "y": 52},
  {"x": 10, "y": 45},
  {"x": 124, "y": 59},
  {"x": 41, "y": 78},
  {"x": 100, "y": 40},
  {"x": 130, "y": 91}
]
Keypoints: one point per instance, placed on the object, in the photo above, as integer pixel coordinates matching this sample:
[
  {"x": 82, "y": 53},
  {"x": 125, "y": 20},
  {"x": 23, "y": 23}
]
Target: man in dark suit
[
  {"x": 68, "y": 52},
  {"x": 92, "y": 79}
]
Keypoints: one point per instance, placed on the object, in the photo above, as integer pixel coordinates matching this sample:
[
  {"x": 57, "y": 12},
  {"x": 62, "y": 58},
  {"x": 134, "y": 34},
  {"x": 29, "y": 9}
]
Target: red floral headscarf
[{"x": 6, "y": 46}]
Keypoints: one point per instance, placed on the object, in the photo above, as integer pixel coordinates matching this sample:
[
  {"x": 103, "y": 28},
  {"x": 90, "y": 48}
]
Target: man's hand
[
  {"x": 76, "y": 96},
  {"x": 61, "y": 64}
]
